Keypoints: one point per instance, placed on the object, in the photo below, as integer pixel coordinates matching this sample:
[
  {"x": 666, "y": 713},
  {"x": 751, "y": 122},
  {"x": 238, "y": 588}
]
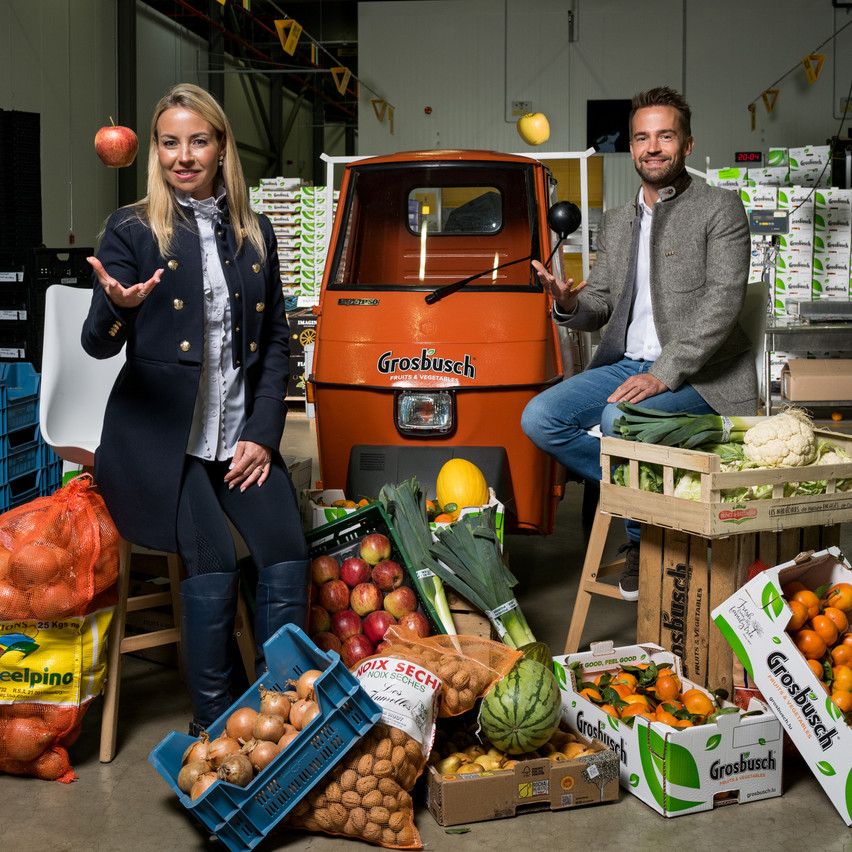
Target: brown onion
[
  {"x": 197, "y": 750},
  {"x": 263, "y": 753},
  {"x": 240, "y": 723},
  {"x": 291, "y": 694},
  {"x": 287, "y": 739},
  {"x": 236, "y": 769},
  {"x": 220, "y": 748},
  {"x": 305, "y": 683},
  {"x": 276, "y": 703},
  {"x": 301, "y": 713},
  {"x": 268, "y": 727},
  {"x": 190, "y": 774},
  {"x": 199, "y": 788},
  {"x": 311, "y": 712}
]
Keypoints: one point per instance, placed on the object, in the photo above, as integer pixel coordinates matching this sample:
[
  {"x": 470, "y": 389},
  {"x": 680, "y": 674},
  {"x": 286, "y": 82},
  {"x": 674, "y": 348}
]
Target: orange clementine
[
  {"x": 825, "y": 628},
  {"x": 846, "y": 638},
  {"x": 842, "y": 677},
  {"x": 627, "y": 678},
  {"x": 809, "y": 600},
  {"x": 667, "y": 687},
  {"x": 622, "y": 689},
  {"x": 591, "y": 694},
  {"x": 684, "y": 723},
  {"x": 810, "y": 644},
  {"x": 843, "y": 699},
  {"x": 635, "y": 698},
  {"x": 636, "y": 708},
  {"x": 841, "y": 655},
  {"x": 791, "y": 588},
  {"x": 800, "y": 616},
  {"x": 839, "y": 595},
  {"x": 817, "y": 668},
  {"x": 608, "y": 708},
  {"x": 443, "y": 518},
  {"x": 838, "y": 616},
  {"x": 669, "y": 706},
  {"x": 667, "y": 718},
  {"x": 665, "y": 670},
  {"x": 697, "y": 702}
]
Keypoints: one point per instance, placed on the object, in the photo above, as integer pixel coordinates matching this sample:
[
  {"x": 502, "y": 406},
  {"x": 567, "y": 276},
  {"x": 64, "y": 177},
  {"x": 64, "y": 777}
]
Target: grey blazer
[{"x": 699, "y": 273}]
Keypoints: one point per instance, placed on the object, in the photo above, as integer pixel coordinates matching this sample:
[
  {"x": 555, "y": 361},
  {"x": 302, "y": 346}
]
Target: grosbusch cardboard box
[
  {"x": 676, "y": 771},
  {"x": 753, "y": 620}
]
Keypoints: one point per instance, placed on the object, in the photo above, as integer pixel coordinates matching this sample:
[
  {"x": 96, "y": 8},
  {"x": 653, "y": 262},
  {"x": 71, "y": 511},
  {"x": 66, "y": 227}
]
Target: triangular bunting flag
[
  {"x": 379, "y": 107},
  {"x": 769, "y": 98},
  {"x": 341, "y": 77},
  {"x": 289, "y": 32},
  {"x": 813, "y": 65}
]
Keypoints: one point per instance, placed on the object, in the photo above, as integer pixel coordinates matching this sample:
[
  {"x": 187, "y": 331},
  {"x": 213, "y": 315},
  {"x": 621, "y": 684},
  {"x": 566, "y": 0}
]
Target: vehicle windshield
[{"x": 425, "y": 225}]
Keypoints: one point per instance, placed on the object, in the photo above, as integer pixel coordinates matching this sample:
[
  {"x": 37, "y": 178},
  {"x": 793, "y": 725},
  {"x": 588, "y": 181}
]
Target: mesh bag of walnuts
[{"x": 413, "y": 680}]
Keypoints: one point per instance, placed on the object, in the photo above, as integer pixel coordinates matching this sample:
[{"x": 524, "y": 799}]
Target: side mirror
[{"x": 564, "y": 218}]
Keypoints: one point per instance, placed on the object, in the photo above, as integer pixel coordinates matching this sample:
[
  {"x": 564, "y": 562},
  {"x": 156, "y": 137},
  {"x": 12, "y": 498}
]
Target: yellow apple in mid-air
[{"x": 534, "y": 128}]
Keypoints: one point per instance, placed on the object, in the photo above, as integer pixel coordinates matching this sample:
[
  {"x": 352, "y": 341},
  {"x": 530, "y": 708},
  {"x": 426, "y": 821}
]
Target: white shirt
[
  {"x": 219, "y": 415},
  {"x": 642, "y": 343}
]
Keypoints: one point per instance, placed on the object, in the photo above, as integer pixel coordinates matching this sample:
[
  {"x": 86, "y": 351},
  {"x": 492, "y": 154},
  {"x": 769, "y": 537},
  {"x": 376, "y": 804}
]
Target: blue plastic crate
[
  {"x": 241, "y": 817},
  {"x": 20, "y": 453},
  {"x": 19, "y": 387}
]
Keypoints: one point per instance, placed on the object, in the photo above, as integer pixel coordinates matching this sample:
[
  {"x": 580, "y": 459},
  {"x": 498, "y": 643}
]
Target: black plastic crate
[{"x": 61, "y": 265}]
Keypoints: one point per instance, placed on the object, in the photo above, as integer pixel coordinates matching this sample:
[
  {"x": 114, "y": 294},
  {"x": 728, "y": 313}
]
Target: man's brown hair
[{"x": 665, "y": 97}]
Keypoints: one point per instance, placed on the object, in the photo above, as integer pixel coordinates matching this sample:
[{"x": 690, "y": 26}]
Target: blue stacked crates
[{"x": 28, "y": 467}]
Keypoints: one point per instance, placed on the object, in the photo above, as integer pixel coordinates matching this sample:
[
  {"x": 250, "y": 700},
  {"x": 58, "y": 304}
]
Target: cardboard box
[
  {"x": 753, "y": 620},
  {"x": 710, "y": 516},
  {"x": 814, "y": 380},
  {"x": 532, "y": 785},
  {"x": 676, "y": 771}
]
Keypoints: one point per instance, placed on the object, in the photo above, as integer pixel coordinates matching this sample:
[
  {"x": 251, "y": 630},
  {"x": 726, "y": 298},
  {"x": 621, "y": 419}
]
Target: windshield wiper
[{"x": 437, "y": 295}]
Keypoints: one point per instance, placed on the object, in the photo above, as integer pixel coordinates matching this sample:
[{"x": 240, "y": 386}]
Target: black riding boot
[
  {"x": 208, "y": 605},
  {"x": 282, "y": 598}
]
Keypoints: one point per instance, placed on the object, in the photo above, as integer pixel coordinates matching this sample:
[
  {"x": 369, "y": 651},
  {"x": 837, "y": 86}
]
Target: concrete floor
[{"x": 125, "y": 806}]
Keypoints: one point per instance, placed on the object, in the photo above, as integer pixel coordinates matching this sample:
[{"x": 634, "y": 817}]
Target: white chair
[{"x": 74, "y": 392}]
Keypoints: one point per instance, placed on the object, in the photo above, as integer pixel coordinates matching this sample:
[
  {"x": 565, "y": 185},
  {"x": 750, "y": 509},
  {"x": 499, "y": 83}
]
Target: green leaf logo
[
  {"x": 573, "y": 703},
  {"x": 776, "y": 640},
  {"x": 770, "y": 600},
  {"x": 634, "y": 780},
  {"x": 430, "y": 351},
  {"x": 613, "y": 722},
  {"x": 762, "y": 741},
  {"x": 561, "y": 677},
  {"x": 825, "y": 767},
  {"x": 832, "y": 709},
  {"x": 713, "y": 742}
]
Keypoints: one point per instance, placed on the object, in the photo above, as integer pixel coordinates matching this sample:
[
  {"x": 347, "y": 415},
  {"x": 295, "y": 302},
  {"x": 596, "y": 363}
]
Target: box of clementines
[
  {"x": 757, "y": 621},
  {"x": 676, "y": 763}
]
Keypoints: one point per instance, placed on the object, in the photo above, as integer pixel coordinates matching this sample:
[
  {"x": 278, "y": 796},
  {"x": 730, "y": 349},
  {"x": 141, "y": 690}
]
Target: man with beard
[{"x": 668, "y": 282}]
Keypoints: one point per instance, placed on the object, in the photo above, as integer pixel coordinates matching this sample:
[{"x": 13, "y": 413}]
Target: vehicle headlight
[{"x": 424, "y": 412}]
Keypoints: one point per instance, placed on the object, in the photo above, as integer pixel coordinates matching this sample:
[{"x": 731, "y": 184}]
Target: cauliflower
[{"x": 785, "y": 440}]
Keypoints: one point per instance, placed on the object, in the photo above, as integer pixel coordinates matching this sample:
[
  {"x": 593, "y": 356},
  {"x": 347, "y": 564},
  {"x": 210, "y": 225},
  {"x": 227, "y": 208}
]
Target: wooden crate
[
  {"x": 683, "y": 577},
  {"x": 710, "y": 517},
  {"x": 469, "y": 620}
]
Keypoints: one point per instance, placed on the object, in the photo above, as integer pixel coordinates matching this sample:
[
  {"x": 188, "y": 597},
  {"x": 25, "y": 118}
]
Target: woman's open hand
[{"x": 118, "y": 294}]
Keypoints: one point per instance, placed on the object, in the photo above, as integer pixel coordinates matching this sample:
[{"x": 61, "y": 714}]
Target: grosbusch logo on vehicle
[
  {"x": 803, "y": 698},
  {"x": 426, "y": 361}
]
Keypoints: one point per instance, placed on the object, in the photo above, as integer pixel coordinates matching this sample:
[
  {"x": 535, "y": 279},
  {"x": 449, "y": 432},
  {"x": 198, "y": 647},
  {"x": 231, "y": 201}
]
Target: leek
[
  {"x": 406, "y": 505},
  {"x": 679, "y": 429},
  {"x": 469, "y": 560}
]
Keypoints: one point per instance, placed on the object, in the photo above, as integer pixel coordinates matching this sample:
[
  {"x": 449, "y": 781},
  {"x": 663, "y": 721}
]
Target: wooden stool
[
  {"x": 590, "y": 583},
  {"x": 120, "y": 643}
]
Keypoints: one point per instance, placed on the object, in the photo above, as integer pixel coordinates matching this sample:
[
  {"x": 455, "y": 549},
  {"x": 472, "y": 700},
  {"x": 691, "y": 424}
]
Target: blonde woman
[{"x": 187, "y": 279}]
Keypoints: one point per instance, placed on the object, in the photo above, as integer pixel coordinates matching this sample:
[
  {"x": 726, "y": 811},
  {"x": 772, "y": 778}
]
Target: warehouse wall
[{"x": 469, "y": 59}]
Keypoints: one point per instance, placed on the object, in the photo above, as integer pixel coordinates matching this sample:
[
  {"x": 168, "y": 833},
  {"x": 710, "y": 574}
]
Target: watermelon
[
  {"x": 521, "y": 711},
  {"x": 537, "y": 651}
]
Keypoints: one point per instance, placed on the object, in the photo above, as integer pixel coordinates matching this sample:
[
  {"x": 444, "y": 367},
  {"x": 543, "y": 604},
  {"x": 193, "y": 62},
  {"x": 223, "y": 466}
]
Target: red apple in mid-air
[
  {"x": 346, "y": 623},
  {"x": 324, "y": 568},
  {"x": 400, "y": 601},
  {"x": 417, "y": 622},
  {"x": 334, "y": 596},
  {"x": 354, "y": 570},
  {"x": 375, "y": 547},
  {"x": 116, "y": 145},
  {"x": 387, "y": 575},
  {"x": 355, "y": 649},
  {"x": 319, "y": 621},
  {"x": 376, "y": 623},
  {"x": 366, "y": 598},
  {"x": 327, "y": 642}
]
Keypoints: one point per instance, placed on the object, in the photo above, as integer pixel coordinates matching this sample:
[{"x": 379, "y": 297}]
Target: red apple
[
  {"x": 327, "y": 642},
  {"x": 319, "y": 620},
  {"x": 376, "y": 623},
  {"x": 375, "y": 547},
  {"x": 355, "y": 649},
  {"x": 346, "y": 623},
  {"x": 381, "y": 647},
  {"x": 417, "y": 622},
  {"x": 116, "y": 146},
  {"x": 387, "y": 575},
  {"x": 325, "y": 568},
  {"x": 366, "y": 598},
  {"x": 313, "y": 595},
  {"x": 353, "y": 571},
  {"x": 334, "y": 595},
  {"x": 399, "y": 601}
]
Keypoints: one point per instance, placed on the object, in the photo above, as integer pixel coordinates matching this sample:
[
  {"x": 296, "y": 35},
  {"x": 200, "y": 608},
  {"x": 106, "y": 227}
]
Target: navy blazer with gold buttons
[{"x": 139, "y": 463}]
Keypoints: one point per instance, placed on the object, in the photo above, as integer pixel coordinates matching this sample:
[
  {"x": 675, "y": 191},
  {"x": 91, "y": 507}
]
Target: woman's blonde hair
[{"x": 160, "y": 208}]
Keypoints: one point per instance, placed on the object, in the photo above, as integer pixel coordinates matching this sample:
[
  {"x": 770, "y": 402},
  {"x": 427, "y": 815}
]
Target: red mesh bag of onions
[
  {"x": 58, "y": 566},
  {"x": 367, "y": 794}
]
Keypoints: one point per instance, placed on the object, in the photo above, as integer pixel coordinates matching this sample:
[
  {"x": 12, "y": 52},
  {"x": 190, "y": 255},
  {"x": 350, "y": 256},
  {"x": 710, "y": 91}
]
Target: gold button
[
  {"x": 172, "y": 264},
  {"x": 259, "y": 307},
  {"x": 220, "y": 233},
  {"x": 238, "y": 363},
  {"x": 253, "y": 346},
  {"x": 178, "y": 303},
  {"x": 227, "y": 263},
  {"x": 237, "y": 329},
  {"x": 256, "y": 267},
  {"x": 236, "y": 295},
  {"x": 244, "y": 233},
  {"x": 185, "y": 345}
]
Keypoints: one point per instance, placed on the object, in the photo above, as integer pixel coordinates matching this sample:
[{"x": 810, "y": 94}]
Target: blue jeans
[{"x": 557, "y": 419}]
